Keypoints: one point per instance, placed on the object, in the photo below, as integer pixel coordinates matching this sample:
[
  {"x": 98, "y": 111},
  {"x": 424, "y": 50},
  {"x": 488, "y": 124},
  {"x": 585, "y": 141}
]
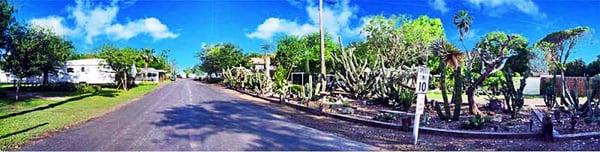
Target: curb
[{"x": 436, "y": 131}]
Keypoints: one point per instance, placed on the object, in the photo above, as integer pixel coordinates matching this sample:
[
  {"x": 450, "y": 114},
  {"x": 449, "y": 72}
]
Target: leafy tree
[
  {"x": 289, "y": 52},
  {"x": 575, "y": 68},
  {"x": 6, "y": 19},
  {"x": 215, "y": 58},
  {"x": 557, "y": 47},
  {"x": 23, "y": 56},
  {"x": 121, "y": 60},
  {"x": 593, "y": 68},
  {"x": 493, "y": 51},
  {"x": 303, "y": 53},
  {"x": 57, "y": 50}
]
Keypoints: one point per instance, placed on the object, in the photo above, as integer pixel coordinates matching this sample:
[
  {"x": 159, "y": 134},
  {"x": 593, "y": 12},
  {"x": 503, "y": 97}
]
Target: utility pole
[{"x": 323, "y": 76}]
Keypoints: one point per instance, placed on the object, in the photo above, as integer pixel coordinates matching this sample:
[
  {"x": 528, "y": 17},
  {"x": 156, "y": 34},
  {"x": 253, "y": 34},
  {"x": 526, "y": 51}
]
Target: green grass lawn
[{"x": 25, "y": 120}]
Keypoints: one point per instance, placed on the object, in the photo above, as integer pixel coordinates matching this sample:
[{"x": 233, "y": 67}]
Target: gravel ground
[{"x": 391, "y": 139}]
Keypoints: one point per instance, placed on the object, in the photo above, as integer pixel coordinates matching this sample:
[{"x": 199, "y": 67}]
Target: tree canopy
[{"x": 215, "y": 58}]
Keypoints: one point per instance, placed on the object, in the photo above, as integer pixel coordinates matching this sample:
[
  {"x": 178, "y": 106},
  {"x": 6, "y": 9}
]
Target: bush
[
  {"x": 384, "y": 117},
  {"x": 83, "y": 88},
  {"x": 476, "y": 122}
]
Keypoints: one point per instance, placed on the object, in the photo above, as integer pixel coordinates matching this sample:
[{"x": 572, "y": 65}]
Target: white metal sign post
[{"x": 421, "y": 90}]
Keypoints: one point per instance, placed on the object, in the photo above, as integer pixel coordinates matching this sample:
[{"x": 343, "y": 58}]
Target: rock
[
  {"x": 346, "y": 110},
  {"x": 497, "y": 119}
]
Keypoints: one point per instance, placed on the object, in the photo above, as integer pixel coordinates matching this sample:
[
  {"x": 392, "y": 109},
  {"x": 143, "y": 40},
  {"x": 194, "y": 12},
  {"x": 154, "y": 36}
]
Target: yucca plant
[{"x": 449, "y": 55}]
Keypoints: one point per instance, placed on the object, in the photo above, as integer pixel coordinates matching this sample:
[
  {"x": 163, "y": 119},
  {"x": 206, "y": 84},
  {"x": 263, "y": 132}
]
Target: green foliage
[
  {"x": 593, "y": 68},
  {"x": 575, "y": 68},
  {"x": 86, "y": 88},
  {"x": 236, "y": 77},
  {"x": 280, "y": 82},
  {"x": 121, "y": 60},
  {"x": 215, "y": 58},
  {"x": 448, "y": 55},
  {"x": 303, "y": 53},
  {"x": 6, "y": 19},
  {"x": 476, "y": 122}
]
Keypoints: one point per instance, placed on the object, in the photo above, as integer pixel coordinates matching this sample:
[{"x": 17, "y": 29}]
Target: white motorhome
[
  {"x": 90, "y": 71},
  {"x": 5, "y": 77}
]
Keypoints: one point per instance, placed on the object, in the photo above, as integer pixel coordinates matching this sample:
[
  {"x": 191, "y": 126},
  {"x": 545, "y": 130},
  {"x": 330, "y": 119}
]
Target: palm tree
[
  {"x": 462, "y": 20},
  {"x": 148, "y": 56}
]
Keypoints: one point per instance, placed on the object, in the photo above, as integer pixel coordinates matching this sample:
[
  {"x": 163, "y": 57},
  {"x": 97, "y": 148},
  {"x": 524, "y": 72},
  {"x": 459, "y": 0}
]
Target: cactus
[
  {"x": 236, "y": 77},
  {"x": 514, "y": 97},
  {"x": 356, "y": 74},
  {"x": 311, "y": 91},
  {"x": 550, "y": 95},
  {"x": 393, "y": 85},
  {"x": 260, "y": 83}
]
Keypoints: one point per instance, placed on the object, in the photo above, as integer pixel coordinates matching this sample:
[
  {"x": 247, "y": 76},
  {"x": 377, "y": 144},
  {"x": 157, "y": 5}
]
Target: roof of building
[
  {"x": 259, "y": 60},
  {"x": 152, "y": 70},
  {"x": 86, "y": 62}
]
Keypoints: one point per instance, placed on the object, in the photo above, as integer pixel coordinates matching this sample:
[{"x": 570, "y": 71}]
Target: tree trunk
[
  {"x": 125, "y": 81},
  {"x": 17, "y": 91},
  {"x": 45, "y": 78},
  {"x": 471, "y": 99},
  {"x": 145, "y": 72},
  {"x": 565, "y": 88}
]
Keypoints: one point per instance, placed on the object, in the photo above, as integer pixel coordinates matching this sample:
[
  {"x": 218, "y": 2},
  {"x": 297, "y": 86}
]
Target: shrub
[
  {"x": 476, "y": 122},
  {"x": 83, "y": 88},
  {"x": 384, "y": 117}
]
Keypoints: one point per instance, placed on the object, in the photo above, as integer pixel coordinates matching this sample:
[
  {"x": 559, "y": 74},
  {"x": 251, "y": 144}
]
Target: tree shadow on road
[{"x": 265, "y": 129}]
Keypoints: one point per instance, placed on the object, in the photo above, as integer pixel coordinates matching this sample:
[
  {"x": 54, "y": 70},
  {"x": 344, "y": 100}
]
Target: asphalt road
[{"x": 188, "y": 115}]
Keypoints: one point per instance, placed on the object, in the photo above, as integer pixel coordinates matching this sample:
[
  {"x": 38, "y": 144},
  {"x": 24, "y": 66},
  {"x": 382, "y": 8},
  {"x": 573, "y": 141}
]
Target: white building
[{"x": 91, "y": 71}]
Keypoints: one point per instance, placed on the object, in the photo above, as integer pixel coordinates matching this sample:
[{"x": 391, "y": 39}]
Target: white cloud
[
  {"x": 54, "y": 23},
  {"x": 94, "y": 21},
  {"x": 272, "y": 26},
  {"x": 150, "y": 26},
  {"x": 336, "y": 22},
  {"x": 499, "y": 7},
  {"x": 439, "y": 5}
]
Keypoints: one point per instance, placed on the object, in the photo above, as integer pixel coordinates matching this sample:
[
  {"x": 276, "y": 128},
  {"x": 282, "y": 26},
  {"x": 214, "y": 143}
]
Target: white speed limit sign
[{"x": 421, "y": 90}]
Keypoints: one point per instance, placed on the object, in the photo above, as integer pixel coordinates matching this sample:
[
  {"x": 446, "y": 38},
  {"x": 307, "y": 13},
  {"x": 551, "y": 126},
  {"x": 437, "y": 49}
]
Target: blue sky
[{"x": 185, "y": 26}]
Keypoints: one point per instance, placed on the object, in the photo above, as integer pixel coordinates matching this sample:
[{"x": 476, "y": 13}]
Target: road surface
[{"x": 188, "y": 115}]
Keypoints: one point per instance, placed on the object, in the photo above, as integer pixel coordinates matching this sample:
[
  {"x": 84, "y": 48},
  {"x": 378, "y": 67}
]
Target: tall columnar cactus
[
  {"x": 392, "y": 84},
  {"x": 357, "y": 77},
  {"x": 311, "y": 91},
  {"x": 513, "y": 96}
]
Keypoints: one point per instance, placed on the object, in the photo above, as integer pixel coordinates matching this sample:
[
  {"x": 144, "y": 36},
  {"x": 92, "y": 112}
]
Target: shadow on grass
[
  {"x": 52, "y": 105},
  {"x": 22, "y": 131}
]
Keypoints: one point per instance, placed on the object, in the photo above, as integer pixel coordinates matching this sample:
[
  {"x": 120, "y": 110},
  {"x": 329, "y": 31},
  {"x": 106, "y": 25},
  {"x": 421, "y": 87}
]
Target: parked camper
[{"x": 91, "y": 71}]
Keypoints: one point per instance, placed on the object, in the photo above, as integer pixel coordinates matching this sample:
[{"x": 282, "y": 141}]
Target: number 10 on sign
[{"x": 421, "y": 90}]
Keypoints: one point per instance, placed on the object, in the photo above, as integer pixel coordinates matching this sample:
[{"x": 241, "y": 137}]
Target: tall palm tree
[
  {"x": 148, "y": 56},
  {"x": 462, "y": 20}
]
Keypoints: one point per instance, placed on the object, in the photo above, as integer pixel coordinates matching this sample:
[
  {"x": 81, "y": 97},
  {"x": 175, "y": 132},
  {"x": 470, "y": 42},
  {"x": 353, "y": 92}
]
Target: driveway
[{"x": 188, "y": 115}]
